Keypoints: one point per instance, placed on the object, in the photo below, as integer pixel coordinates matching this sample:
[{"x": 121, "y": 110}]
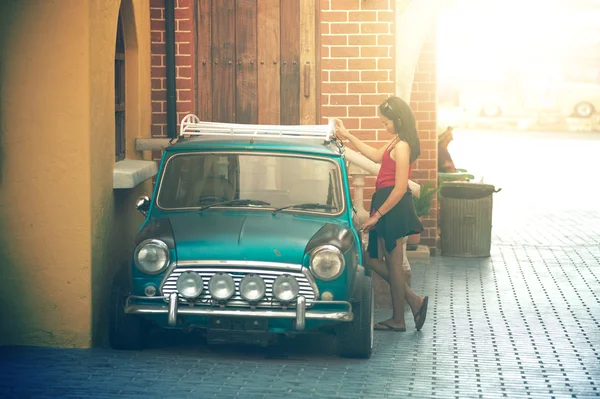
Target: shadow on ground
[{"x": 302, "y": 346}]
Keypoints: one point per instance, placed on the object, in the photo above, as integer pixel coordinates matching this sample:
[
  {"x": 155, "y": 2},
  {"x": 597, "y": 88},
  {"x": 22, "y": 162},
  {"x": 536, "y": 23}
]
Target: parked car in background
[
  {"x": 531, "y": 98},
  {"x": 250, "y": 233},
  {"x": 574, "y": 100}
]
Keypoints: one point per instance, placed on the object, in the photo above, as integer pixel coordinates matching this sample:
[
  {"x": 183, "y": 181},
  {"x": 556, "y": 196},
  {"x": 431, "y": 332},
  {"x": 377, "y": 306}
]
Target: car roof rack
[{"x": 191, "y": 125}]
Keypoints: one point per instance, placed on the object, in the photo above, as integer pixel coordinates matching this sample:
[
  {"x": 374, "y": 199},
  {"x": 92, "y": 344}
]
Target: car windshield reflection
[{"x": 281, "y": 182}]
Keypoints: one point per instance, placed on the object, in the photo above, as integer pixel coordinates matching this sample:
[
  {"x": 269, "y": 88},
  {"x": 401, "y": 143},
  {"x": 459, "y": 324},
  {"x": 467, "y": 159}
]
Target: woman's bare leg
[
  {"x": 413, "y": 300},
  {"x": 397, "y": 285},
  {"x": 399, "y": 288},
  {"x": 379, "y": 267},
  {"x": 378, "y": 264}
]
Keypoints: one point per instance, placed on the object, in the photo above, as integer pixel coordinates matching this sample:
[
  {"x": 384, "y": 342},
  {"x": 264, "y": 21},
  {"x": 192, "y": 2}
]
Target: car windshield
[{"x": 197, "y": 180}]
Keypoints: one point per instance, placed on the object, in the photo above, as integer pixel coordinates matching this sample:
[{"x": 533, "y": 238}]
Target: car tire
[
  {"x": 491, "y": 111},
  {"x": 584, "y": 110},
  {"x": 125, "y": 331},
  {"x": 355, "y": 339}
]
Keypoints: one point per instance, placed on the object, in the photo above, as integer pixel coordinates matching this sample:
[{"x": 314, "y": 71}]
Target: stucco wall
[
  {"x": 45, "y": 193},
  {"x": 114, "y": 219},
  {"x": 62, "y": 228}
]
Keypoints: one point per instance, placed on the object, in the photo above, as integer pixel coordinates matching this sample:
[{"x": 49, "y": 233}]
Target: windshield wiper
[
  {"x": 238, "y": 202},
  {"x": 307, "y": 206}
]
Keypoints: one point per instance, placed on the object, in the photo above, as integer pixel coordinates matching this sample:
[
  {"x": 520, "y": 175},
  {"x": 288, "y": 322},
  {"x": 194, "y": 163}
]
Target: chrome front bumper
[{"x": 300, "y": 314}]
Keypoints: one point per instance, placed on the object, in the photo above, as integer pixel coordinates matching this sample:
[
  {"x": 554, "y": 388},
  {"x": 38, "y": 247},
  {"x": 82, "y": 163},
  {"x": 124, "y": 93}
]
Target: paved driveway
[{"x": 523, "y": 323}]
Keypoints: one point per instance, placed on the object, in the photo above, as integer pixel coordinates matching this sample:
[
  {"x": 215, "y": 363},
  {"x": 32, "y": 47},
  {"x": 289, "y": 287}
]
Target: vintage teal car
[{"x": 250, "y": 233}]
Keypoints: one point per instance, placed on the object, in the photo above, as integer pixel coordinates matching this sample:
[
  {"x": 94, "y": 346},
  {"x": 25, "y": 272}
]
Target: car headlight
[
  {"x": 151, "y": 256},
  {"x": 190, "y": 285},
  {"x": 252, "y": 288},
  {"x": 327, "y": 262},
  {"x": 285, "y": 288},
  {"x": 221, "y": 286}
]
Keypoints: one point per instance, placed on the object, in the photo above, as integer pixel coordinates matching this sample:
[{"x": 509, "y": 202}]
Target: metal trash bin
[{"x": 466, "y": 219}]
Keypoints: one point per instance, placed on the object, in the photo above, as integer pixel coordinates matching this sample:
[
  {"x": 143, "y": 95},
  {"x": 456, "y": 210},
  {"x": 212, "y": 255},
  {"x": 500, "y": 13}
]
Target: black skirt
[{"x": 400, "y": 221}]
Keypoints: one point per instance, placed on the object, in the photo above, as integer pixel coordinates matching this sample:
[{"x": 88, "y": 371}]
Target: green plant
[{"x": 423, "y": 202}]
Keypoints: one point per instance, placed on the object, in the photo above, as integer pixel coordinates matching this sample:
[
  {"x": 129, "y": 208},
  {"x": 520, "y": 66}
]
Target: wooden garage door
[{"x": 256, "y": 61}]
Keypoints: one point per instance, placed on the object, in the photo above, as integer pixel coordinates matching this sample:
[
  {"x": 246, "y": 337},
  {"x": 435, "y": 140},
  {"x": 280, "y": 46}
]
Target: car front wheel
[
  {"x": 355, "y": 339},
  {"x": 491, "y": 110},
  {"x": 125, "y": 331},
  {"x": 584, "y": 110}
]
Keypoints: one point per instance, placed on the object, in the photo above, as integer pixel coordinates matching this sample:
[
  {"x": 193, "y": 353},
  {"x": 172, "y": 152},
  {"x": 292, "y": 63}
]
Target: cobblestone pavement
[{"x": 523, "y": 323}]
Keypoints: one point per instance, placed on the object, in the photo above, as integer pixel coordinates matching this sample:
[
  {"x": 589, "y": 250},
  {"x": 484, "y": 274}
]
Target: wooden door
[{"x": 256, "y": 61}]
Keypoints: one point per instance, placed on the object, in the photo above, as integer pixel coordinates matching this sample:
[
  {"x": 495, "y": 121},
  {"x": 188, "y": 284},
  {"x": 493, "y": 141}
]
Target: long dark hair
[{"x": 399, "y": 112}]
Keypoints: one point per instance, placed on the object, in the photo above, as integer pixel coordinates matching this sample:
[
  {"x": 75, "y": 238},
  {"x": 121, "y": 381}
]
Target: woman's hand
[
  {"x": 370, "y": 222},
  {"x": 340, "y": 129}
]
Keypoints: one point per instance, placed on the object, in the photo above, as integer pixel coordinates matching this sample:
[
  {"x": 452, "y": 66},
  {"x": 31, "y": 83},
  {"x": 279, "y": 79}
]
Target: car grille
[{"x": 268, "y": 275}]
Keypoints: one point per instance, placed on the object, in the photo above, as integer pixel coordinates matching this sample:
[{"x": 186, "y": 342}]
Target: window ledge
[{"x": 129, "y": 173}]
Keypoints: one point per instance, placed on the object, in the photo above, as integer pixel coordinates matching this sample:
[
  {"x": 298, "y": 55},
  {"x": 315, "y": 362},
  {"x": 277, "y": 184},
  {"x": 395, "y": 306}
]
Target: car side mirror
[{"x": 143, "y": 204}]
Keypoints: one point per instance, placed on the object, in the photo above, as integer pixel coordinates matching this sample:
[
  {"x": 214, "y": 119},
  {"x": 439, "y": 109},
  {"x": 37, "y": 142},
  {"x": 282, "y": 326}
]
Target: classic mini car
[{"x": 250, "y": 233}]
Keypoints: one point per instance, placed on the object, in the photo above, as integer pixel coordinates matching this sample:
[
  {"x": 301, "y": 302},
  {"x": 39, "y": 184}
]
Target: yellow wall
[
  {"x": 63, "y": 229},
  {"x": 114, "y": 218}
]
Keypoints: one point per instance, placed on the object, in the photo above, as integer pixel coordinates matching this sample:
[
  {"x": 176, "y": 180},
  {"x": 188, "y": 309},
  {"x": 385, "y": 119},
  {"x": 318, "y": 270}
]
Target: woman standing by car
[{"x": 393, "y": 215}]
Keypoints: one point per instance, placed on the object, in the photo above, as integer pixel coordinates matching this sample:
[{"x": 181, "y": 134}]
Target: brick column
[{"x": 424, "y": 105}]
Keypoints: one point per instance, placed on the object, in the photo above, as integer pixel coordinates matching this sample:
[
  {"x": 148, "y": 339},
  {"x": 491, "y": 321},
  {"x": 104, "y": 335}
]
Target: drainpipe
[{"x": 170, "y": 61}]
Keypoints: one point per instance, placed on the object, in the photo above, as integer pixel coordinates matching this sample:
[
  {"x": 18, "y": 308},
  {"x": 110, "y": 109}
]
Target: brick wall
[
  {"x": 357, "y": 53},
  {"x": 184, "y": 50}
]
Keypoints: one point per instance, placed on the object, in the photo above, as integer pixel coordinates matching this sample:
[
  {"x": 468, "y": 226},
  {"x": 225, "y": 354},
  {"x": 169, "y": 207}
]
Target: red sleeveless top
[{"x": 387, "y": 173}]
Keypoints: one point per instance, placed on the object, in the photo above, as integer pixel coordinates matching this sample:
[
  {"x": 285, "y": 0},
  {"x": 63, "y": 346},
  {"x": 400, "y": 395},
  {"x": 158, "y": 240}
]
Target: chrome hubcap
[
  {"x": 491, "y": 110},
  {"x": 584, "y": 110}
]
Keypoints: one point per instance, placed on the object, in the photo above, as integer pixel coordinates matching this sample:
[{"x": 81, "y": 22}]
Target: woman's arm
[{"x": 373, "y": 154}]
